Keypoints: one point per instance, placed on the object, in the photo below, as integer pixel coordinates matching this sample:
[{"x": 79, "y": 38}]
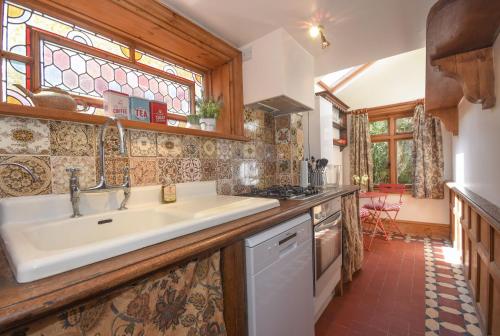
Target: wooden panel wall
[{"x": 478, "y": 241}]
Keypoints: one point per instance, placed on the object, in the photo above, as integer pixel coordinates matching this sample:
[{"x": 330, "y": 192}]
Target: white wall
[
  {"x": 394, "y": 80},
  {"x": 476, "y": 149},
  {"x": 319, "y": 133}
]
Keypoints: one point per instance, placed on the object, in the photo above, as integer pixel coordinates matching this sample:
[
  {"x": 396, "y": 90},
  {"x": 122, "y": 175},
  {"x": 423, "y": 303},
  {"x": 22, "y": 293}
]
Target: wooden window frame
[
  {"x": 162, "y": 33},
  {"x": 391, "y": 113}
]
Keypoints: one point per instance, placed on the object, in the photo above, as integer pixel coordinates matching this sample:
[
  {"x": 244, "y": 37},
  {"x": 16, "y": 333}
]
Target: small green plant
[
  {"x": 208, "y": 108},
  {"x": 193, "y": 119}
]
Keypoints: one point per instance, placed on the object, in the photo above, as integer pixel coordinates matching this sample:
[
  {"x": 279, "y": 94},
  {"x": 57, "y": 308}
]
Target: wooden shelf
[
  {"x": 341, "y": 145},
  {"x": 338, "y": 126},
  {"x": 56, "y": 114}
]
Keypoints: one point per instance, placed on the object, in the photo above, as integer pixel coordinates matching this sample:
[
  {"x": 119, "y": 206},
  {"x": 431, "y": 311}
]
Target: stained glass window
[
  {"x": 88, "y": 75},
  {"x": 81, "y": 72}
]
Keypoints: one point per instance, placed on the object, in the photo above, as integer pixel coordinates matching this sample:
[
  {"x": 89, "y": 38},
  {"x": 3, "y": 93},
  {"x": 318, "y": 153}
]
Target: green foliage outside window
[
  {"x": 404, "y": 125},
  {"x": 379, "y": 127},
  {"x": 405, "y": 161},
  {"x": 380, "y": 154}
]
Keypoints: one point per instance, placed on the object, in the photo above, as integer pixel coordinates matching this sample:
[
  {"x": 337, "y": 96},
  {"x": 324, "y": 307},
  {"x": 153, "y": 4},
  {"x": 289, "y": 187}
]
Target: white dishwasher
[{"x": 280, "y": 280}]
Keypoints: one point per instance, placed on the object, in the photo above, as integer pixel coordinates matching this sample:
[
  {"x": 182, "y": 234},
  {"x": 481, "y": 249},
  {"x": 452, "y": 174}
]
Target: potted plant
[
  {"x": 193, "y": 121},
  {"x": 208, "y": 110}
]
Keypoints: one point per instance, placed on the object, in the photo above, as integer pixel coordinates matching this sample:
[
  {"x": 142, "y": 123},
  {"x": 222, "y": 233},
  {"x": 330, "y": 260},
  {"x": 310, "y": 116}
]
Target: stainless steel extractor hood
[{"x": 280, "y": 105}]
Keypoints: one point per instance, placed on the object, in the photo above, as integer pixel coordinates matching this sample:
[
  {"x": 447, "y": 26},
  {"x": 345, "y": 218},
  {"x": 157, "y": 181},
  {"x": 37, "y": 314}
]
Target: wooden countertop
[
  {"x": 23, "y": 301},
  {"x": 488, "y": 210}
]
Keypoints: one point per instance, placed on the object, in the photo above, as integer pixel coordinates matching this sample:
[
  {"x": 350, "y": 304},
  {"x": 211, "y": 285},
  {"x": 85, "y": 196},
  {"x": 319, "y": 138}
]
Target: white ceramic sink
[{"x": 46, "y": 241}]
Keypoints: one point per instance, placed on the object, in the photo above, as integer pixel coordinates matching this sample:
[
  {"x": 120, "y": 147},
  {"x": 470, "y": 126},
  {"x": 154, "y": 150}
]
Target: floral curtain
[
  {"x": 361, "y": 156},
  {"x": 186, "y": 300},
  {"x": 352, "y": 237},
  {"x": 428, "y": 164}
]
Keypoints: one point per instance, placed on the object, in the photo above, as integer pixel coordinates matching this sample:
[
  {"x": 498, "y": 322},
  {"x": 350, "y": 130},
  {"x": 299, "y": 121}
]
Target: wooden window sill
[{"x": 56, "y": 114}]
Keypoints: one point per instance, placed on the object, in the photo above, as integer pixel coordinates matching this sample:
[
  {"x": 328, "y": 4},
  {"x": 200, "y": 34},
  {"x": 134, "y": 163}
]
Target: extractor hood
[{"x": 278, "y": 74}]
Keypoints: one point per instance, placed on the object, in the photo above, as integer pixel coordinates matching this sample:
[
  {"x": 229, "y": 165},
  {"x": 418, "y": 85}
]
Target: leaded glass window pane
[{"x": 88, "y": 75}]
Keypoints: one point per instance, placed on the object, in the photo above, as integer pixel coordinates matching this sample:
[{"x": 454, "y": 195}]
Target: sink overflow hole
[{"x": 104, "y": 221}]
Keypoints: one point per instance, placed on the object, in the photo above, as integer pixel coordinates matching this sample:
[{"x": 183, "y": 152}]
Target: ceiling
[{"x": 360, "y": 30}]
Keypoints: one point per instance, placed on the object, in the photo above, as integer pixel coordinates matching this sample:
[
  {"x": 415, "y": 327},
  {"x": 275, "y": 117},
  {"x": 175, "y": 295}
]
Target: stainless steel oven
[{"x": 327, "y": 250}]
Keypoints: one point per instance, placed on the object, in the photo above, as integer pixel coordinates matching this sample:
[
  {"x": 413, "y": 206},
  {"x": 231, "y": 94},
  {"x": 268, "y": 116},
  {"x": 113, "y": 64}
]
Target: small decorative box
[
  {"x": 158, "y": 112},
  {"x": 115, "y": 104},
  {"x": 139, "y": 109}
]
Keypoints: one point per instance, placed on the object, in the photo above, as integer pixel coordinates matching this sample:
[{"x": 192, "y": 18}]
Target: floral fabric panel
[
  {"x": 361, "y": 156},
  {"x": 186, "y": 300},
  {"x": 352, "y": 237},
  {"x": 427, "y": 156}
]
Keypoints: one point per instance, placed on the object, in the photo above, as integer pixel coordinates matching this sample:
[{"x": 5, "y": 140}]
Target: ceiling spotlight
[
  {"x": 315, "y": 30},
  {"x": 319, "y": 30},
  {"x": 324, "y": 42}
]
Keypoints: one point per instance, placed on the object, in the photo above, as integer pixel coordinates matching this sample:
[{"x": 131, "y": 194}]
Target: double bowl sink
[{"x": 41, "y": 239}]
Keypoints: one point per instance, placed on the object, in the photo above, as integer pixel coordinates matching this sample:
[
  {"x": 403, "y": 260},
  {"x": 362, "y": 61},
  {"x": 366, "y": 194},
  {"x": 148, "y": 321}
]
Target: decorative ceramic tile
[
  {"x": 143, "y": 171},
  {"x": 298, "y": 153},
  {"x": 284, "y": 167},
  {"x": 269, "y": 135},
  {"x": 114, "y": 169},
  {"x": 249, "y": 116},
  {"x": 224, "y": 169},
  {"x": 269, "y": 168},
  {"x": 283, "y": 152},
  {"x": 300, "y": 137},
  {"x": 269, "y": 120},
  {"x": 208, "y": 169},
  {"x": 111, "y": 142},
  {"x": 260, "y": 150},
  {"x": 24, "y": 136},
  {"x": 208, "y": 149},
  {"x": 282, "y": 136},
  {"x": 142, "y": 143},
  {"x": 224, "y": 151},
  {"x": 225, "y": 187},
  {"x": 191, "y": 147},
  {"x": 169, "y": 145},
  {"x": 295, "y": 179},
  {"x": 259, "y": 118},
  {"x": 241, "y": 189},
  {"x": 16, "y": 182},
  {"x": 259, "y": 133},
  {"x": 169, "y": 170},
  {"x": 71, "y": 139},
  {"x": 60, "y": 177},
  {"x": 270, "y": 154},
  {"x": 282, "y": 121},
  {"x": 296, "y": 120},
  {"x": 191, "y": 169},
  {"x": 249, "y": 150},
  {"x": 237, "y": 149},
  {"x": 284, "y": 179},
  {"x": 250, "y": 131},
  {"x": 238, "y": 169}
]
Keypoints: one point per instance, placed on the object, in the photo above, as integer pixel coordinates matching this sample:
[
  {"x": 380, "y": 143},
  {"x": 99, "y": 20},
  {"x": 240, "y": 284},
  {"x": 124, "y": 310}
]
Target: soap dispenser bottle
[{"x": 168, "y": 192}]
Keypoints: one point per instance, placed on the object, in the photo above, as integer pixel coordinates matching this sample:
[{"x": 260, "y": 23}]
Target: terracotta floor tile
[{"x": 388, "y": 296}]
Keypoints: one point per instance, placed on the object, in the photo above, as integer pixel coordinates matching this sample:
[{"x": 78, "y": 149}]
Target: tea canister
[
  {"x": 116, "y": 104},
  {"x": 158, "y": 112},
  {"x": 139, "y": 109}
]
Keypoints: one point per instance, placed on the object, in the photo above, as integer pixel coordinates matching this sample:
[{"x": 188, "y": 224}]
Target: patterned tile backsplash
[{"x": 50, "y": 147}]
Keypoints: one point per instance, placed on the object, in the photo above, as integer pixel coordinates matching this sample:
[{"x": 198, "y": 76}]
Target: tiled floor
[{"x": 396, "y": 291}]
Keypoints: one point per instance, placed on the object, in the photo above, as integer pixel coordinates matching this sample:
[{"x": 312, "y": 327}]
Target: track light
[{"x": 319, "y": 30}]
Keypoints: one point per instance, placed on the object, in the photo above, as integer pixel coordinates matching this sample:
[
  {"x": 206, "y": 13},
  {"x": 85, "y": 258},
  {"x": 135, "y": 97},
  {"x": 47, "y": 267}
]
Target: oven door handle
[{"x": 329, "y": 222}]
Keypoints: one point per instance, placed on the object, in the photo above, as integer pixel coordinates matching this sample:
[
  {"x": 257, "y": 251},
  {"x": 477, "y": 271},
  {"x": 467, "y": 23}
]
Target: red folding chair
[{"x": 391, "y": 210}]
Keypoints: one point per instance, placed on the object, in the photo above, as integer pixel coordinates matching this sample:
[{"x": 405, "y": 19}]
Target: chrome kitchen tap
[
  {"x": 23, "y": 167},
  {"x": 102, "y": 185}
]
